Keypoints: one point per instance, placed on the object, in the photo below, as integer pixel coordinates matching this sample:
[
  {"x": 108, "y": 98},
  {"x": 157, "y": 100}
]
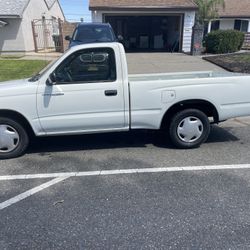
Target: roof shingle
[
  {"x": 233, "y": 8},
  {"x": 17, "y": 7},
  {"x": 139, "y": 4},
  {"x": 12, "y": 7}
]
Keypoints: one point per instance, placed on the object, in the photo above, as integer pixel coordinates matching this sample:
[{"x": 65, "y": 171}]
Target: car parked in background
[{"x": 92, "y": 33}]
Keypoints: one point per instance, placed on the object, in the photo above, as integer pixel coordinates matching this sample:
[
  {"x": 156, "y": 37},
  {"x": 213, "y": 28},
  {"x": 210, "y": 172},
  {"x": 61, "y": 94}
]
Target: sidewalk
[{"x": 50, "y": 56}]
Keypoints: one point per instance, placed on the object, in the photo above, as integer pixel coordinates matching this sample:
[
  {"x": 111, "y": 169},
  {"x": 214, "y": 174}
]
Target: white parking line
[
  {"x": 58, "y": 177},
  {"x": 30, "y": 192},
  {"x": 123, "y": 171}
]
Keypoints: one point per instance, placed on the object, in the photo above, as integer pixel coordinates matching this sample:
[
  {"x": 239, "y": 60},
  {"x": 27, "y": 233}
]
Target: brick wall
[{"x": 67, "y": 30}]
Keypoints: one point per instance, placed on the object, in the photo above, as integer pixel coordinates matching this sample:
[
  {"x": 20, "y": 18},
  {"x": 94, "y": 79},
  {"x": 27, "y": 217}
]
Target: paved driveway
[
  {"x": 139, "y": 63},
  {"x": 166, "y": 62}
]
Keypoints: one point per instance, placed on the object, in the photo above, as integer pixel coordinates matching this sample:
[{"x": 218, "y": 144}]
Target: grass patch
[
  {"x": 239, "y": 63},
  {"x": 243, "y": 57},
  {"x": 18, "y": 69}
]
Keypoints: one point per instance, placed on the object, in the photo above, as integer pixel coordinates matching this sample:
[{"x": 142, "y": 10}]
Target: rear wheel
[
  {"x": 13, "y": 139},
  {"x": 189, "y": 128}
]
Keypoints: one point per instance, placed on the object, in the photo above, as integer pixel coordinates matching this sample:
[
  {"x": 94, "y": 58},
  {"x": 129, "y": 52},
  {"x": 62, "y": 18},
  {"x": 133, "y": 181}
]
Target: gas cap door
[{"x": 168, "y": 96}]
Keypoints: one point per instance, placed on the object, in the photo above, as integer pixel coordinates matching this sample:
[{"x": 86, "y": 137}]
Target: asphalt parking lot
[{"x": 128, "y": 191}]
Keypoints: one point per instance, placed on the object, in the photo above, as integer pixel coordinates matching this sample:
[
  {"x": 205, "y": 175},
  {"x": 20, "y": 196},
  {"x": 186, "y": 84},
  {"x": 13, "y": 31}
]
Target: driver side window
[{"x": 86, "y": 66}]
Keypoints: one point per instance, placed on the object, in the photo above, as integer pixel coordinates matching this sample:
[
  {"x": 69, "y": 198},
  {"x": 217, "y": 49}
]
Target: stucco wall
[
  {"x": 11, "y": 36},
  {"x": 189, "y": 18},
  {"x": 56, "y": 11}
]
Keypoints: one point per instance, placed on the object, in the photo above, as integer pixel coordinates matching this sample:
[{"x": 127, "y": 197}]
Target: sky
[{"x": 74, "y": 10}]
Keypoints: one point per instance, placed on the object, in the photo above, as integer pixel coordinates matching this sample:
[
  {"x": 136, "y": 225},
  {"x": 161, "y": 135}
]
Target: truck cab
[{"x": 86, "y": 91}]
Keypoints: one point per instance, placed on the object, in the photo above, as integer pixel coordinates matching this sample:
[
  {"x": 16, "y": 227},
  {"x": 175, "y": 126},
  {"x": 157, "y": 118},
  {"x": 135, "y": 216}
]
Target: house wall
[
  {"x": 189, "y": 18},
  {"x": 226, "y": 24},
  {"x": 31, "y": 13},
  {"x": 11, "y": 36},
  {"x": 56, "y": 11},
  {"x": 17, "y": 36}
]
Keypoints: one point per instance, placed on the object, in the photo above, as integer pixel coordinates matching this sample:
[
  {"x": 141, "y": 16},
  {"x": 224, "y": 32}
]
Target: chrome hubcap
[
  {"x": 190, "y": 129},
  {"x": 9, "y": 138}
]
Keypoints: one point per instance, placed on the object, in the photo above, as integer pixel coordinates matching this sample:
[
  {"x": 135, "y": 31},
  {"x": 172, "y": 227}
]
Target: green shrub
[{"x": 223, "y": 41}]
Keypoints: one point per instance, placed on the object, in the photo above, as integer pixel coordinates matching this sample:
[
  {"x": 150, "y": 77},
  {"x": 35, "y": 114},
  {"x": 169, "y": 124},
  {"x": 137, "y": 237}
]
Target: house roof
[
  {"x": 50, "y": 3},
  {"x": 141, "y": 4},
  {"x": 15, "y": 8},
  {"x": 235, "y": 8},
  {"x": 12, "y": 7}
]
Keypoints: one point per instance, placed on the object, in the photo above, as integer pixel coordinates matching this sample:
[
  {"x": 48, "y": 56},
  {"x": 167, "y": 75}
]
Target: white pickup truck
[{"x": 88, "y": 90}]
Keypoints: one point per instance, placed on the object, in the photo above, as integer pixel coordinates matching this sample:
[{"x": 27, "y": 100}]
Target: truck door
[{"x": 87, "y": 95}]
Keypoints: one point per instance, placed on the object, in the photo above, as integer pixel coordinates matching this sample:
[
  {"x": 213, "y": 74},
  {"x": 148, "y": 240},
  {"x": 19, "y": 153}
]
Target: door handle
[{"x": 110, "y": 92}]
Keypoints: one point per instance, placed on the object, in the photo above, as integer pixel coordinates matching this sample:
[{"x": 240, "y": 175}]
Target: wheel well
[
  {"x": 204, "y": 106},
  {"x": 19, "y": 118}
]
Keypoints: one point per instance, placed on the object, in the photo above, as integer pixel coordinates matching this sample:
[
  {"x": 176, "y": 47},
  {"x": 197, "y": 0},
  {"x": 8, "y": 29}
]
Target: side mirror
[
  {"x": 120, "y": 38},
  {"x": 51, "y": 80},
  {"x": 67, "y": 38}
]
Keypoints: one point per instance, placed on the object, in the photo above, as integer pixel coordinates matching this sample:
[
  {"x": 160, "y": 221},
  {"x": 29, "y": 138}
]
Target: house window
[
  {"x": 241, "y": 25},
  {"x": 215, "y": 25}
]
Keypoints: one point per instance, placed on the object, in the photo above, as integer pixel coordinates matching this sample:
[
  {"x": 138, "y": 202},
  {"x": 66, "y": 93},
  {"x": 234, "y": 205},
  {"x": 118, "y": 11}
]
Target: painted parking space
[
  {"x": 59, "y": 177},
  {"x": 129, "y": 150}
]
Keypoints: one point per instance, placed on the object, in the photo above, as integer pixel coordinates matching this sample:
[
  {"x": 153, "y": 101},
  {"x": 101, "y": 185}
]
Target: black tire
[
  {"x": 201, "y": 127},
  {"x": 22, "y": 142}
]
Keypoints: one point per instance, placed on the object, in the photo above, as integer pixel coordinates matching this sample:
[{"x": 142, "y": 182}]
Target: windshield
[
  {"x": 88, "y": 34},
  {"x": 38, "y": 75}
]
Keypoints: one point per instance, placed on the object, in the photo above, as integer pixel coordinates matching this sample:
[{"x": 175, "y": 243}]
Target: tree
[{"x": 208, "y": 10}]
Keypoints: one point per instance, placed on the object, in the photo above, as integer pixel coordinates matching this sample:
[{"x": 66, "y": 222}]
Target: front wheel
[
  {"x": 13, "y": 139},
  {"x": 189, "y": 128}
]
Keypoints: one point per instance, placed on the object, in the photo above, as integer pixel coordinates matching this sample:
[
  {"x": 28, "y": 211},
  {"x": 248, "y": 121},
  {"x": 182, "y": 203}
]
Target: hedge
[{"x": 223, "y": 41}]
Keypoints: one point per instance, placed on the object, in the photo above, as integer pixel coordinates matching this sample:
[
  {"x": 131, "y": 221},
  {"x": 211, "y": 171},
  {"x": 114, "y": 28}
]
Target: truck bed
[
  {"x": 181, "y": 75},
  {"x": 153, "y": 94}
]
